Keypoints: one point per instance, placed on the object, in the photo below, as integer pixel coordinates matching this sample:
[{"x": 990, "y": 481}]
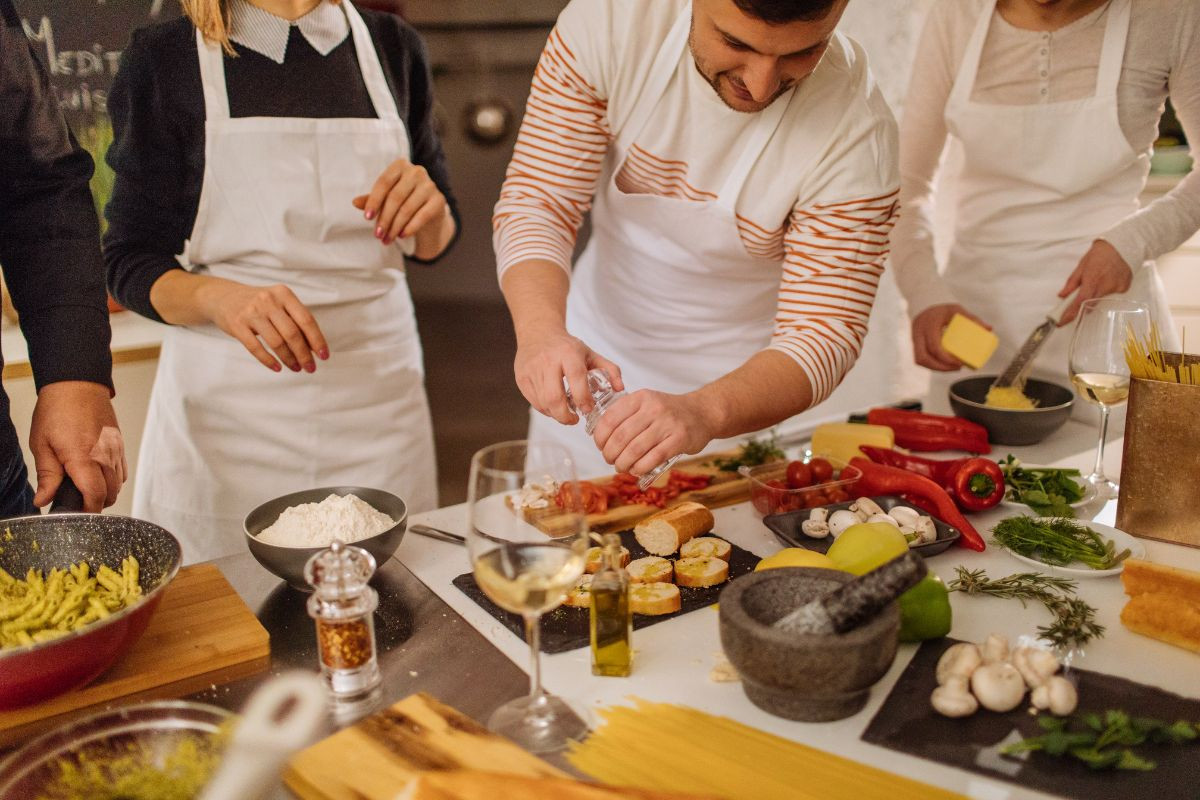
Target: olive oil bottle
[{"x": 611, "y": 619}]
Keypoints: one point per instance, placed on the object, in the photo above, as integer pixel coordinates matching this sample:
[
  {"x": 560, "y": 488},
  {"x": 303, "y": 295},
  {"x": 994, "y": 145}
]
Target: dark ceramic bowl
[
  {"x": 1008, "y": 425},
  {"x": 288, "y": 562},
  {"x": 805, "y": 677}
]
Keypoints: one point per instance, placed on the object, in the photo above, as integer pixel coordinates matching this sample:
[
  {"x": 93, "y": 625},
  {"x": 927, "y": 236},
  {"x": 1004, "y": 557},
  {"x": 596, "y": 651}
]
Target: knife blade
[{"x": 1014, "y": 373}]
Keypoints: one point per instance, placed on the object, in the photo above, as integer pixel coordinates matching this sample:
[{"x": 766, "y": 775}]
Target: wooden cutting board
[
  {"x": 725, "y": 489},
  {"x": 201, "y": 635},
  {"x": 389, "y": 748}
]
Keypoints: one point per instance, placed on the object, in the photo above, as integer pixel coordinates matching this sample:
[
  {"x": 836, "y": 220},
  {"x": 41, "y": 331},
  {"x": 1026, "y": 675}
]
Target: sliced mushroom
[
  {"x": 884, "y": 518},
  {"x": 953, "y": 700},
  {"x": 998, "y": 686},
  {"x": 1035, "y": 665},
  {"x": 815, "y": 528},
  {"x": 926, "y": 532},
  {"x": 905, "y": 517},
  {"x": 865, "y": 507},
  {"x": 819, "y": 514},
  {"x": 959, "y": 661},
  {"x": 840, "y": 520},
  {"x": 995, "y": 649}
]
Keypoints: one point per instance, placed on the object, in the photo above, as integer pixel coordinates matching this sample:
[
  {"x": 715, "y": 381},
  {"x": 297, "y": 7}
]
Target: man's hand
[
  {"x": 927, "y": 330},
  {"x": 75, "y": 429},
  {"x": 542, "y": 362},
  {"x": 1101, "y": 272},
  {"x": 645, "y": 428}
]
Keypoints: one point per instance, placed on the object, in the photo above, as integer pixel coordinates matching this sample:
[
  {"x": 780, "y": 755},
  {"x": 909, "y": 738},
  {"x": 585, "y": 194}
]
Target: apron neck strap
[
  {"x": 1112, "y": 56},
  {"x": 216, "y": 97},
  {"x": 764, "y": 128},
  {"x": 965, "y": 80}
]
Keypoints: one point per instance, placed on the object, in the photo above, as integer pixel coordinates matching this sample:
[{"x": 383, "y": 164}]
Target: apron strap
[
  {"x": 764, "y": 128},
  {"x": 656, "y": 82},
  {"x": 212, "y": 78},
  {"x": 368, "y": 63},
  {"x": 1112, "y": 56},
  {"x": 964, "y": 82}
]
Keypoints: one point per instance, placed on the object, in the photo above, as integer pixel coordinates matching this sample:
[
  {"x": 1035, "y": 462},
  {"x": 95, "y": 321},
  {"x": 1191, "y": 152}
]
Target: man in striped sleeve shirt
[{"x": 740, "y": 165}]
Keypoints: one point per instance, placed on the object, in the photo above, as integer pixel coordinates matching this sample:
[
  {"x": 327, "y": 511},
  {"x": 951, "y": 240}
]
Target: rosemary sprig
[{"x": 1074, "y": 620}]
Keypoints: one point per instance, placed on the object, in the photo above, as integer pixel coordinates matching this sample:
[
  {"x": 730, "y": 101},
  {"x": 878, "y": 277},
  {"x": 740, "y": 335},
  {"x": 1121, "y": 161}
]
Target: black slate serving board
[
  {"x": 906, "y": 722},
  {"x": 566, "y": 628},
  {"x": 786, "y": 527}
]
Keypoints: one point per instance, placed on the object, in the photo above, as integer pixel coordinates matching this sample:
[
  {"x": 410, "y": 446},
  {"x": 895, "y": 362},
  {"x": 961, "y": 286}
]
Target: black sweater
[
  {"x": 49, "y": 237},
  {"x": 157, "y": 109}
]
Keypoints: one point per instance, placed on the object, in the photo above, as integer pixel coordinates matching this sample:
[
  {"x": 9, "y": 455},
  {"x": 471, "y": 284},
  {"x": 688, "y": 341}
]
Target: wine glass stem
[
  {"x": 1098, "y": 470},
  {"x": 533, "y": 636}
]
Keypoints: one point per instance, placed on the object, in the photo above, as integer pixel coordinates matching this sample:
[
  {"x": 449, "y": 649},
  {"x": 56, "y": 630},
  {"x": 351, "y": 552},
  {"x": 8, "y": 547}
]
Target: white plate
[
  {"x": 1089, "y": 493},
  {"x": 1120, "y": 539}
]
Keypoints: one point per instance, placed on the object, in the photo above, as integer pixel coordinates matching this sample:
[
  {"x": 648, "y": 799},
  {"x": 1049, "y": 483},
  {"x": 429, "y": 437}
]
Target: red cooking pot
[{"x": 40, "y": 671}]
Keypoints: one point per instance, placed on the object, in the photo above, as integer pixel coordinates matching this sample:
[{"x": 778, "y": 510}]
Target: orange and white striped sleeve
[
  {"x": 556, "y": 163},
  {"x": 833, "y": 259}
]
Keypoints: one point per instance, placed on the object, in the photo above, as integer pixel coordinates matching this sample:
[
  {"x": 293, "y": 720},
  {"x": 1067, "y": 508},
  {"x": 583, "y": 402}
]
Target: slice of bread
[
  {"x": 702, "y": 571},
  {"x": 595, "y": 557},
  {"x": 580, "y": 595},
  {"x": 650, "y": 569},
  {"x": 652, "y": 599},
  {"x": 1164, "y": 603},
  {"x": 1141, "y": 577},
  {"x": 706, "y": 547},
  {"x": 663, "y": 533}
]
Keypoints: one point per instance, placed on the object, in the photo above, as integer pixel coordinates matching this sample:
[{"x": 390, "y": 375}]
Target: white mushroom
[
  {"x": 998, "y": 686},
  {"x": 1058, "y": 695},
  {"x": 865, "y": 507},
  {"x": 910, "y": 535},
  {"x": 905, "y": 517},
  {"x": 926, "y": 532},
  {"x": 953, "y": 700},
  {"x": 884, "y": 518},
  {"x": 840, "y": 520},
  {"x": 959, "y": 661},
  {"x": 819, "y": 514},
  {"x": 1035, "y": 665},
  {"x": 995, "y": 649},
  {"x": 815, "y": 529}
]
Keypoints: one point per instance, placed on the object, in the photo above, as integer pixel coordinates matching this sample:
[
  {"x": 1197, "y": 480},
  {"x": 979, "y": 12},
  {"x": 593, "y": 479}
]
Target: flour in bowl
[{"x": 348, "y": 518}]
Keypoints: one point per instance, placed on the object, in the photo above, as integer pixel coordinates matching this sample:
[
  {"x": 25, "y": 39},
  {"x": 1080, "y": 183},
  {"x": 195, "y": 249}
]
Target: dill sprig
[
  {"x": 1058, "y": 541},
  {"x": 1074, "y": 620}
]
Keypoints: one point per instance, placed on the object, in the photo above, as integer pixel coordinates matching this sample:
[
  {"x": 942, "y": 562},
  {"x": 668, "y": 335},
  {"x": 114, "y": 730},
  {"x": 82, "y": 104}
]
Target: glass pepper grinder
[
  {"x": 343, "y": 606},
  {"x": 603, "y": 396}
]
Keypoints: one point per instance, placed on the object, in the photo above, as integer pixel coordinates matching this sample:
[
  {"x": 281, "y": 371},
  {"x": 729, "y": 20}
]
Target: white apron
[
  {"x": 1039, "y": 183},
  {"x": 224, "y": 433},
  {"x": 665, "y": 287}
]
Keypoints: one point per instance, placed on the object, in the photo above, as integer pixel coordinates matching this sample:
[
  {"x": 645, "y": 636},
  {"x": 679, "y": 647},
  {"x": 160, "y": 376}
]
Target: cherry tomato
[
  {"x": 838, "y": 495},
  {"x": 822, "y": 470},
  {"x": 799, "y": 475}
]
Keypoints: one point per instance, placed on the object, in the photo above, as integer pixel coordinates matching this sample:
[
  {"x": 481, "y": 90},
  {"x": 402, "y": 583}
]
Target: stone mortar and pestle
[{"x": 809, "y": 643}]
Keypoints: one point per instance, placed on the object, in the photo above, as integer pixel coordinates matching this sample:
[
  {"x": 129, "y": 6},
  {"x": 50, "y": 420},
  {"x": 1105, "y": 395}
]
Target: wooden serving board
[
  {"x": 389, "y": 748},
  {"x": 201, "y": 635},
  {"x": 725, "y": 489}
]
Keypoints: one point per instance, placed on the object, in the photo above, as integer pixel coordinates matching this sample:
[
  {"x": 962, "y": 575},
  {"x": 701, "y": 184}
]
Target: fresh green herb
[
  {"x": 1058, "y": 541},
  {"x": 753, "y": 453},
  {"x": 1103, "y": 741},
  {"x": 1048, "y": 491},
  {"x": 1074, "y": 620}
]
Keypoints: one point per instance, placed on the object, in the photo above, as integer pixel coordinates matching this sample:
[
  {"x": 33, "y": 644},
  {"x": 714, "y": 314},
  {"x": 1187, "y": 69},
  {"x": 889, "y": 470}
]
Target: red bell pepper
[
  {"x": 878, "y": 479},
  {"x": 975, "y": 484},
  {"x": 927, "y": 432}
]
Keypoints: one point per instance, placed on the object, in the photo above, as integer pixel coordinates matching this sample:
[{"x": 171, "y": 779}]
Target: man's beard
[{"x": 715, "y": 82}]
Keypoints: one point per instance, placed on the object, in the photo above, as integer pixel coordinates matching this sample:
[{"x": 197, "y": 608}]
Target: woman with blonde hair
[{"x": 275, "y": 164}]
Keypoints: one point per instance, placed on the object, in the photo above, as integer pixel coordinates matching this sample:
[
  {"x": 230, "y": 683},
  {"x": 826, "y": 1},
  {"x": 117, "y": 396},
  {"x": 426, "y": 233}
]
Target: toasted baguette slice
[
  {"x": 653, "y": 599},
  {"x": 580, "y": 595},
  {"x": 702, "y": 571},
  {"x": 663, "y": 533},
  {"x": 650, "y": 569},
  {"x": 595, "y": 557},
  {"x": 706, "y": 547},
  {"x": 1165, "y": 617},
  {"x": 1143, "y": 577}
]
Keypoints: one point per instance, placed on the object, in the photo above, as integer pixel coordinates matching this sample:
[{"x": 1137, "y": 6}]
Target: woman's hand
[
  {"x": 406, "y": 202},
  {"x": 1101, "y": 272},
  {"x": 270, "y": 315},
  {"x": 927, "y": 328}
]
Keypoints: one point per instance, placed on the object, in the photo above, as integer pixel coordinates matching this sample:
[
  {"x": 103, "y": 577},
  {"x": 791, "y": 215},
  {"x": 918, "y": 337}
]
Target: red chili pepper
[
  {"x": 978, "y": 484},
  {"x": 878, "y": 479},
  {"x": 926, "y": 432},
  {"x": 939, "y": 471}
]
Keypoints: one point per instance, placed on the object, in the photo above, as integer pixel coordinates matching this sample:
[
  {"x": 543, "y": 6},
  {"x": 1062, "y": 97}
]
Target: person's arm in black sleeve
[
  {"x": 426, "y": 146},
  {"x": 153, "y": 203},
  {"x": 49, "y": 235}
]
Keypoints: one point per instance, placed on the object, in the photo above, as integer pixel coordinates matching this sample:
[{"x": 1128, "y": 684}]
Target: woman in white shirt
[{"x": 1055, "y": 104}]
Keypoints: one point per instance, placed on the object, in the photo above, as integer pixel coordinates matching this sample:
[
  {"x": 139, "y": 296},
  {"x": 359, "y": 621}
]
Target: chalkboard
[{"x": 80, "y": 43}]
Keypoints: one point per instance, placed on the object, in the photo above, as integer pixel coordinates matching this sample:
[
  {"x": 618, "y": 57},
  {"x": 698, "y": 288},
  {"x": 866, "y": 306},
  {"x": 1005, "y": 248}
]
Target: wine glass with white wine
[
  {"x": 1098, "y": 368},
  {"x": 526, "y": 570}
]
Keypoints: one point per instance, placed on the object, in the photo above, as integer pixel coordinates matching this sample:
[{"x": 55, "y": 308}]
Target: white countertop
[{"x": 673, "y": 658}]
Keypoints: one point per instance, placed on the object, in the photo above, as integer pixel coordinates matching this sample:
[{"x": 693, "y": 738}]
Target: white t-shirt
[{"x": 821, "y": 199}]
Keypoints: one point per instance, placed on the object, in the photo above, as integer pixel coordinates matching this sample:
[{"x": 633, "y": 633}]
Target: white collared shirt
[{"x": 325, "y": 27}]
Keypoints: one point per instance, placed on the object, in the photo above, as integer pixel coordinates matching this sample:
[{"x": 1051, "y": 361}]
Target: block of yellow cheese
[
  {"x": 840, "y": 440},
  {"x": 968, "y": 341}
]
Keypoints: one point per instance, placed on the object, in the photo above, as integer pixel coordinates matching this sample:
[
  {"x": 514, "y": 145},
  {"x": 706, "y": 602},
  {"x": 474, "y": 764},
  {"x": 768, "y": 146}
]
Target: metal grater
[{"x": 1014, "y": 373}]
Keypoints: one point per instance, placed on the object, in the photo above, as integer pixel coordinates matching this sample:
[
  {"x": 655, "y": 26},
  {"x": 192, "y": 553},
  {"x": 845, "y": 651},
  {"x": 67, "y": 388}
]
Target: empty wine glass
[
  {"x": 526, "y": 570},
  {"x": 1098, "y": 368}
]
